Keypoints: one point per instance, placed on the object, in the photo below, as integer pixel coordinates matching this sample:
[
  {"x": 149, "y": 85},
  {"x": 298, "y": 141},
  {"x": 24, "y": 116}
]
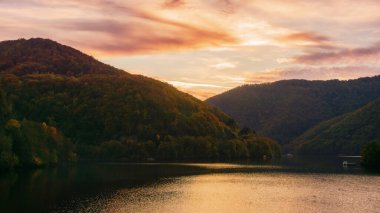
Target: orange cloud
[
  {"x": 149, "y": 33},
  {"x": 130, "y": 30},
  {"x": 309, "y": 73},
  {"x": 303, "y": 38},
  {"x": 136, "y": 38},
  {"x": 201, "y": 94},
  {"x": 199, "y": 90}
]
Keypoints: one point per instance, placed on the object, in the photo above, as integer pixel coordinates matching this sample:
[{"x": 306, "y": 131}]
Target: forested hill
[
  {"x": 39, "y": 55},
  {"x": 285, "y": 109},
  {"x": 107, "y": 113},
  {"x": 346, "y": 134}
]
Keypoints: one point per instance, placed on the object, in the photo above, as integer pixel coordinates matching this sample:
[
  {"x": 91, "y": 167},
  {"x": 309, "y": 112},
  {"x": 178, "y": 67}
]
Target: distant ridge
[{"x": 285, "y": 109}]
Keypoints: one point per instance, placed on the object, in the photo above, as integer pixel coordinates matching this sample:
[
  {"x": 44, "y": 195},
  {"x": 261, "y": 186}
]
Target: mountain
[
  {"x": 346, "y": 134},
  {"x": 285, "y": 109},
  {"x": 22, "y": 57},
  {"x": 108, "y": 113}
]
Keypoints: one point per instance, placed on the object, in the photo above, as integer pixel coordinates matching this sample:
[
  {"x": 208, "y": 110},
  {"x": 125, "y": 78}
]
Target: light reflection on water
[
  {"x": 247, "y": 192},
  {"x": 182, "y": 187}
]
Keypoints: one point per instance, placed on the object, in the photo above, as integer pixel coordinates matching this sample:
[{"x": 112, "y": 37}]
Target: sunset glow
[{"x": 207, "y": 47}]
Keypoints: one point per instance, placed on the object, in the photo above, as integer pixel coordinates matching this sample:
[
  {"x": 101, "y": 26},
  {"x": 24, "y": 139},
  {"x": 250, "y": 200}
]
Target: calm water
[{"x": 119, "y": 187}]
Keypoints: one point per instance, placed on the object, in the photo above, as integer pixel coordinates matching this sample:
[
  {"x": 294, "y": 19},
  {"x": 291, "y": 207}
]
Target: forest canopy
[
  {"x": 284, "y": 110},
  {"x": 107, "y": 114},
  {"x": 346, "y": 134}
]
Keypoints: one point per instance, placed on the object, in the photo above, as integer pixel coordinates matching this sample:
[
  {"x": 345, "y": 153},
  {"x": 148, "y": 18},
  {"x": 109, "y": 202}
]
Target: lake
[{"x": 292, "y": 186}]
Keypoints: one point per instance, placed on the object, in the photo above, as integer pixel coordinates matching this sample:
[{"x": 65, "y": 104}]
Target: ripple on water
[{"x": 247, "y": 192}]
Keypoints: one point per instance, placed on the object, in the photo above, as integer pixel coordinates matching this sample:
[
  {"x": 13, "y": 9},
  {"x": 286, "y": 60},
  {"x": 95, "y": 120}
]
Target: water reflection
[
  {"x": 120, "y": 187},
  {"x": 44, "y": 189},
  {"x": 255, "y": 192}
]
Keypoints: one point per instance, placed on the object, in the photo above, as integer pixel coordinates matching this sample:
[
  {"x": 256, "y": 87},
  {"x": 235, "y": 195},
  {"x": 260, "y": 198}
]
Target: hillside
[
  {"x": 108, "y": 113},
  {"x": 346, "y": 134},
  {"x": 38, "y": 55},
  {"x": 285, "y": 109}
]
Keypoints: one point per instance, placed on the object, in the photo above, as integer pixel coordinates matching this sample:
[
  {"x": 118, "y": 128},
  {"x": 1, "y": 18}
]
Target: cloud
[
  {"x": 108, "y": 26},
  {"x": 344, "y": 56},
  {"x": 226, "y": 6},
  {"x": 171, "y": 38},
  {"x": 284, "y": 60},
  {"x": 201, "y": 94},
  {"x": 224, "y": 65},
  {"x": 303, "y": 38},
  {"x": 130, "y": 30},
  {"x": 255, "y": 59},
  {"x": 173, "y": 3},
  {"x": 201, "y": 91},
  {"x": 313, "y": 73},
  {"x": 135, "y": 38},
  {"x": 192, "y": 85},
  {"x": 154, "y": 33}
]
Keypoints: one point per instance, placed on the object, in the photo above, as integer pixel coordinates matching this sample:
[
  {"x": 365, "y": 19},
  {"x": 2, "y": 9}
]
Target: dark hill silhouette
[{"x": 285, "y": 109}]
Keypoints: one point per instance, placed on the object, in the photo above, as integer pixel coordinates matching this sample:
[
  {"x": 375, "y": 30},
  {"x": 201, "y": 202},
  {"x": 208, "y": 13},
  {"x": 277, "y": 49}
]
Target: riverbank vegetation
[{"x": 30, "y": 144}]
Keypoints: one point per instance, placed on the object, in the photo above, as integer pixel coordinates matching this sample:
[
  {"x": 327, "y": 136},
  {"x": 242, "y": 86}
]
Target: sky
[{"x": 206, "y": 47}]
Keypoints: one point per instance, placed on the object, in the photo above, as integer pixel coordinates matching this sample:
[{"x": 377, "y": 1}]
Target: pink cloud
[
  {"x": 174, "y": 3},
  {"x": 343, "y": 56},
  {"x": 130, "y": 30}
]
